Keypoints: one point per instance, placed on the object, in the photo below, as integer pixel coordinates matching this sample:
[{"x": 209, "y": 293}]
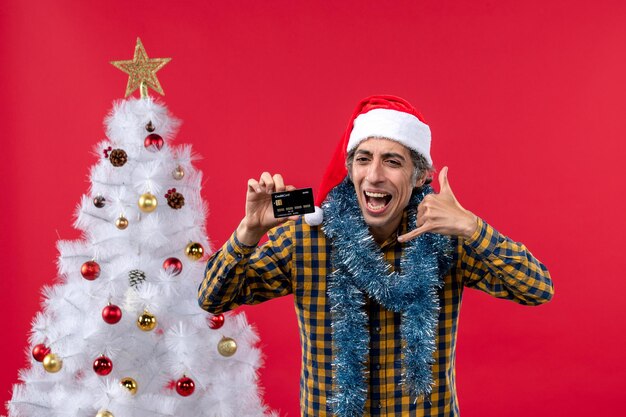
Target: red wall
[{"x": 526, "y": 101}]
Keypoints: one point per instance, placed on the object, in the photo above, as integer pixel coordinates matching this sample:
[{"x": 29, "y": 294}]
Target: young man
[{"x": 378, "y": 275}]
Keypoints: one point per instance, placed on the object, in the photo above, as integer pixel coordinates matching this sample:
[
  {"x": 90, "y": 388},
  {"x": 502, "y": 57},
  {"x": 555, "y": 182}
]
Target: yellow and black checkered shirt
[{"x": 296, "y": 260}]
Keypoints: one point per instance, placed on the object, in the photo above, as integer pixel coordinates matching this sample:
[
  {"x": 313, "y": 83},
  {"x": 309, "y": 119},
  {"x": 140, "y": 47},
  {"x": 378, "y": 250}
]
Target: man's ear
[{"x": 421, "y": 180}]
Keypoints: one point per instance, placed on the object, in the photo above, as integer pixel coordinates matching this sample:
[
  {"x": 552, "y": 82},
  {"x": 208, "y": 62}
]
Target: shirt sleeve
[
  {"x": 239, "y": 274},
  {"x": 491, "y": 262}
]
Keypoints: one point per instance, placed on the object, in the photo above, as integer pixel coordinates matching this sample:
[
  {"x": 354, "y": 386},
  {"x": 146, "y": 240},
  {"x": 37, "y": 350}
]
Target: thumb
[{"x": 444, "y": 184}]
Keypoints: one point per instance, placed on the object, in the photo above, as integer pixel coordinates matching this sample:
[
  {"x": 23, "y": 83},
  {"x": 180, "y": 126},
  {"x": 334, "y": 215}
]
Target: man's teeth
[
  {"x": 377, "y": 201},
  {"x": 373, "y": 207},
  {"x": 378, "y": 195}
]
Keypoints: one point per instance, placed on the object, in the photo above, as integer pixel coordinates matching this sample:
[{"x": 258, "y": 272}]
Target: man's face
[{"x": 382, "y": 172}]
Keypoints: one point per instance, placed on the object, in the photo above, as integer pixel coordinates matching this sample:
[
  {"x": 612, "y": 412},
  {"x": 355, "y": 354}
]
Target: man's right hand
[{"x": 259, "y": 212}]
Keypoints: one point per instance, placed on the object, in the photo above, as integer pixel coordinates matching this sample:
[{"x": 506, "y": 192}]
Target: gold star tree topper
[{"x": 141, "y": 71}]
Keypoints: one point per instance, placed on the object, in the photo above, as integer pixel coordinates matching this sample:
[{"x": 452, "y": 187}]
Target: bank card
[{"x": 293, "y": 203}]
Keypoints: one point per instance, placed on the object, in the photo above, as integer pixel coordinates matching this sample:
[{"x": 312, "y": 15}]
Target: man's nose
[{"x": 375, "y": 173}]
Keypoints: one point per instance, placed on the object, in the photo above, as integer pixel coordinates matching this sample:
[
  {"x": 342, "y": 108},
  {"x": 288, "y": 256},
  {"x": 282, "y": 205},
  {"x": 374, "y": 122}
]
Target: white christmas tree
[{"x": 122, "y": 334}]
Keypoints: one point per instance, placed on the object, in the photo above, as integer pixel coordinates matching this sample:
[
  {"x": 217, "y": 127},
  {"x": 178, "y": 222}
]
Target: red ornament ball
[
  {"x": 185, "y": 386},
  {"x": 153, "y": 142},
  {"x": 103, "y": 366},
  {"x": 216, "y": 321},
  {"x": 40, "y": 351},
  {"x": 111, "y": 314},
  {"x": 90, "y": 270},
  {"x": 174, "y": 265}
]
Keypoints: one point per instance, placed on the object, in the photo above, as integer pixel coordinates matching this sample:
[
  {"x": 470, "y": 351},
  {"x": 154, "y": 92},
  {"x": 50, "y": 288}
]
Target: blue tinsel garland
[{"x": 360, "y": 269}]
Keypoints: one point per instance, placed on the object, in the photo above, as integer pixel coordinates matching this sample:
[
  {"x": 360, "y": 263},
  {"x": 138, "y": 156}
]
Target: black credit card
[{"x": 293, "y": 203}]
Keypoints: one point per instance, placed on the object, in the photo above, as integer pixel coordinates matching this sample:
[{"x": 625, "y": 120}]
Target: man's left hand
[{"x": 441, "y": 213}]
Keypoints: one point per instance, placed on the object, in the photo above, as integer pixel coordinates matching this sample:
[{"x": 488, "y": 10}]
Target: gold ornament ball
[
  {"x": 52, "y": 363},
  {"x": 147, "y": 321},
  {"x": 130, "y": 384},
  {"x": 104, "y": 413},
  {"x": 194, "y": 251},
  {"x": 178, "y": 173},
  {"x": 227, "y": 347},
  {"x": 147, "y": 203},
  {"x": 121, "y": 223}
]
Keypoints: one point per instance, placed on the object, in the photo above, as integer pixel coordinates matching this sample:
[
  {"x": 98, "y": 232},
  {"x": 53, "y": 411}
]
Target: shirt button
[
  {"x": 380, "y": 405},
  {"x": 239, "y": 256},
  {"x": 377, "y": 329},
  {"x": 377, "y": 366}
]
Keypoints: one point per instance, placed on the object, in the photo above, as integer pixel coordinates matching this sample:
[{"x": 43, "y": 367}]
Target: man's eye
[
  {"x": 362, "y": 159},
  {"x": 394, "y": 163}
]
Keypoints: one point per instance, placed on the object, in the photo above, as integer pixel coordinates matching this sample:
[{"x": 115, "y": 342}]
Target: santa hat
[{"x": 382, "y": 116}]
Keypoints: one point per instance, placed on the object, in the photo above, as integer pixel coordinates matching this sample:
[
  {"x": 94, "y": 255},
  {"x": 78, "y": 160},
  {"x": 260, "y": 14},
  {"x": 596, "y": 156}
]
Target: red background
[{"x": 526, "y": 102}]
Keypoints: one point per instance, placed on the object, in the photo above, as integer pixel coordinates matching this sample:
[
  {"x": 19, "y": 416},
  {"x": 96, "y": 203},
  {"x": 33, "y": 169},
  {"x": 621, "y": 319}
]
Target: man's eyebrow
[{"x": 393, "y": 155}]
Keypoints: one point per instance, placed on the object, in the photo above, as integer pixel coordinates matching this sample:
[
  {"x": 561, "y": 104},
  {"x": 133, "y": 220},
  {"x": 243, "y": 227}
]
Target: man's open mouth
[{"x": 376, "y": 202}]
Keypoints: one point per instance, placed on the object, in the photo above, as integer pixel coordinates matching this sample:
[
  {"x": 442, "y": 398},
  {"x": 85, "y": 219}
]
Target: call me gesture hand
[{"x": 441, "y": 213}]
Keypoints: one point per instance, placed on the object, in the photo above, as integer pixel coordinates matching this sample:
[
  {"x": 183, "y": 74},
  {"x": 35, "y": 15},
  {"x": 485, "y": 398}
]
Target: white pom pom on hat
[
  {"x": 315, "y": 218},
  {"x": 381, "y": 116}
]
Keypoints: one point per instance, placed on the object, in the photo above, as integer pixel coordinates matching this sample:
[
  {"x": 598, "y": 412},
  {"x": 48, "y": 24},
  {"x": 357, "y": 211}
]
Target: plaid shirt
[{"x": 296, "y": 260}]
